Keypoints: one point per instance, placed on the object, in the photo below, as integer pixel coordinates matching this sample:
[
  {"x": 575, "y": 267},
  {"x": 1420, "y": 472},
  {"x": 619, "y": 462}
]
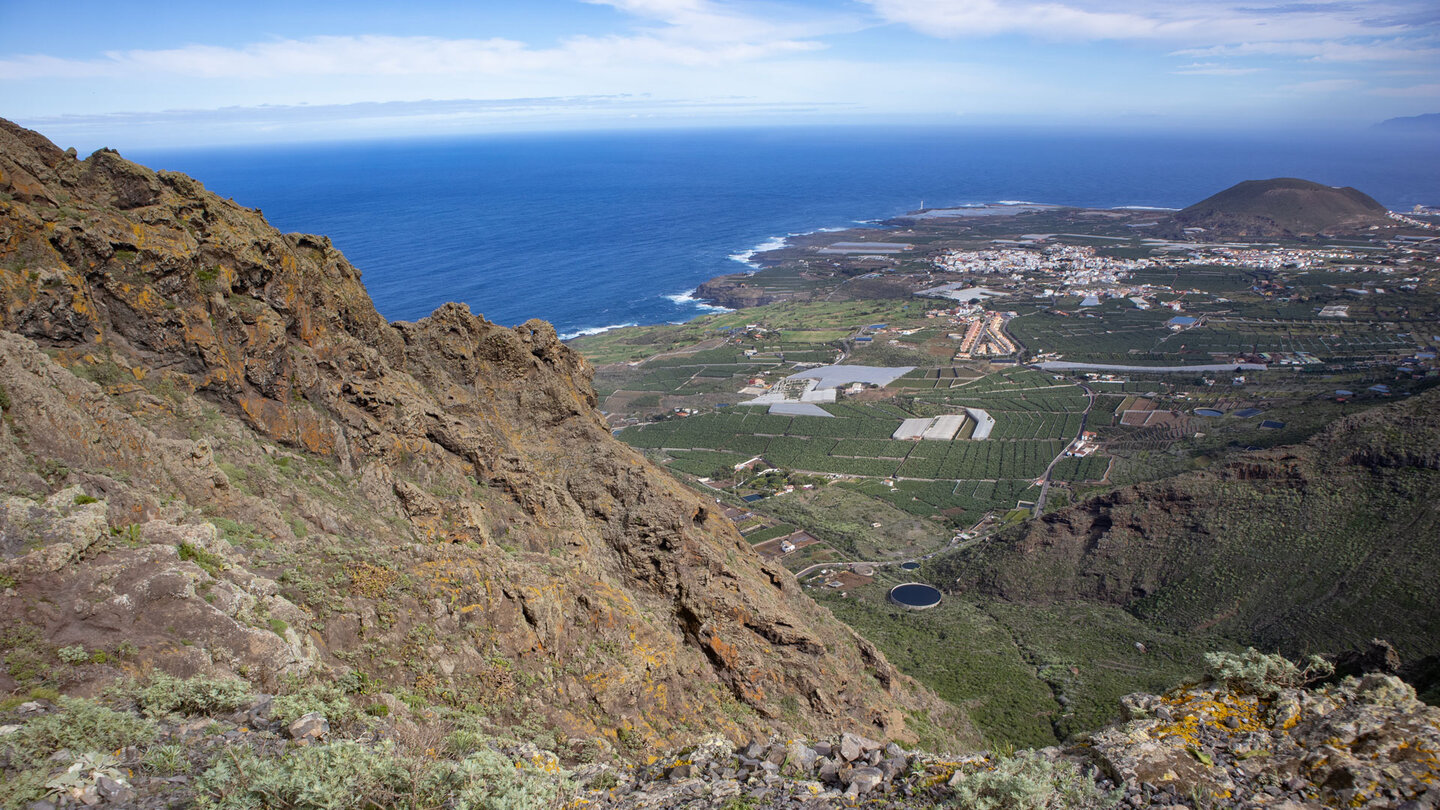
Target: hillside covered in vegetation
[{"x": 1313, "y": 547}]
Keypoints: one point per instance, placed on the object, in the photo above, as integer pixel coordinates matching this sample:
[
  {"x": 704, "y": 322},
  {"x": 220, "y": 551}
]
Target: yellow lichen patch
[
  {"x": 371, "y": 581},
  {"x": 1221, "y": 712}
]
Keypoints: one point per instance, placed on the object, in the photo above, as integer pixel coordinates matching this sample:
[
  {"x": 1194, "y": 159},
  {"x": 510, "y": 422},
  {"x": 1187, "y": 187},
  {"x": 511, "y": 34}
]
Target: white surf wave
[
  {"x": 688, "y": 299},
  {"x": 594, "y": 330},
  {"x": 773, "y": 243}
]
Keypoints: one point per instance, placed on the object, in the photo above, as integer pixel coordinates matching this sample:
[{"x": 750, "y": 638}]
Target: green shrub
[
  {"x": 486, "y": 780},
  {"x": 72, "y": 655},
  {"x": 333, "y": 775},
  {"x": 166, "y": 760},
  {"x": 358, "y": 682},
  {"x": 326, "y": 698},
  {"x": 1029, "y": 781},
  {"x": 1264, "y": 673},
  {"x": 197, "y": 695},
  {"x": 207, "y": 560},
  {"x": 82, "y": 499},
  {"x": 80, "y": 725},
  {"x": 463, "y": 742},
  {"x": 377, "y": 710},
  {"x": 28, "y": 666},
  {"x": 346, "y": 774},
  {"x": 82, "y": 773}
]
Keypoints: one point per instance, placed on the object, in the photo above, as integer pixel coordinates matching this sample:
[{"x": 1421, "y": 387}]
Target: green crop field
[
  {"x": 814, "y": 336},
  {"x": 1035, "y": 415}
]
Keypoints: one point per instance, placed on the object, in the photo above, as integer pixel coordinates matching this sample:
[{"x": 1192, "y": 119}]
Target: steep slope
[
  {"x": 436, "y": 505},
  {"x": 1283, "y": 206},
  {"x": 1316, "y": 547}
]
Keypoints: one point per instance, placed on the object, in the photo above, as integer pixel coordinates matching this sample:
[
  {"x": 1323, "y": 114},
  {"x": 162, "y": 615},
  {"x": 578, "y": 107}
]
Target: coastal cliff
[{"x": 218, "y": 458}]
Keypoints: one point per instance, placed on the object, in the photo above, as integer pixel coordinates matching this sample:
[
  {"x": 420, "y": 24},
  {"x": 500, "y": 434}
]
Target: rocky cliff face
[
  {"x": 435, "y": 504},
  {"x": 736, "y": 292}
]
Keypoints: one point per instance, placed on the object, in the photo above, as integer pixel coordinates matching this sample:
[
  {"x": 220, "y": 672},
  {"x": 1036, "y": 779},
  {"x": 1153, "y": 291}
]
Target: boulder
[
  {"x": 853, "y": 746},
  {"x": 312, "y": 726}
]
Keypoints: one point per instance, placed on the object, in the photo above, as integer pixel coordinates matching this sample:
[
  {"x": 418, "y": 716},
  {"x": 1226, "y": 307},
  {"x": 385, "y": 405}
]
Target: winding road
[{"x": 1045, "y": 479}]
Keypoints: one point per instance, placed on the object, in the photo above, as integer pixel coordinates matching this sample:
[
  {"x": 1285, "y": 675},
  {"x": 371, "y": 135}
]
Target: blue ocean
[{"x": 596, "y": 230}]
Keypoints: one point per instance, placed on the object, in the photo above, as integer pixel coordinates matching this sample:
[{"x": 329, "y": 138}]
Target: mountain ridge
[{"x": 462, "y": 464}]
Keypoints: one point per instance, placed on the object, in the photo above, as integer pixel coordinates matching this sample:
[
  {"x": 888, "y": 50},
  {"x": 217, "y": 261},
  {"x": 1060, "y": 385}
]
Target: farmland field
[{"x": 960, "y": 480}]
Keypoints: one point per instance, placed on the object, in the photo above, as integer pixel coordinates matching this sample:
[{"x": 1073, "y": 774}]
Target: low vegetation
[{"x": 1029, "y": 781}]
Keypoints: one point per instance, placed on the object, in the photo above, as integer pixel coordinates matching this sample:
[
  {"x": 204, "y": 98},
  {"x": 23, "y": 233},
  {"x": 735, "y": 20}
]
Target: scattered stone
[
  {"x": 865, "y": 779},
  {"x": 799, "y": 759},
  {"x": 312, "y": 726},
  {"x": 853, "y": 746}
]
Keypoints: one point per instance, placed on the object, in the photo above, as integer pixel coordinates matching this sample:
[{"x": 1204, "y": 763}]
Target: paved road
[
  {"x": 1045, "y": 482},
  {"x": 1065, "y": 365}
]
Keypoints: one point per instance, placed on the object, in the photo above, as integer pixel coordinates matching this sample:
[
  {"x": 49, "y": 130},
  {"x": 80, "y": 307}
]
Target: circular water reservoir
[
  {"x": 1209, "y": 412},
  {"x": 915, "y": 596},
  {"x": 910, "y": 566}
]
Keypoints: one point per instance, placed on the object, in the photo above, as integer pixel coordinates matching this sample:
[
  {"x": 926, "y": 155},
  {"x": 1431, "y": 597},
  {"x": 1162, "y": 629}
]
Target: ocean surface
[{"x": 597, "y": 230}]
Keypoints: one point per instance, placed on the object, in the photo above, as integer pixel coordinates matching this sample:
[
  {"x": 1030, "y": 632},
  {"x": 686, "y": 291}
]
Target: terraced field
[
  {"x": 1036, "y": 417},
  {"x": 1118, "y": 333}
]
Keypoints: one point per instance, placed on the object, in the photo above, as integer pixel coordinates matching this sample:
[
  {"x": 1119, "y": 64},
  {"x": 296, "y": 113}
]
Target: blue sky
[{"x": 145, "y": 74}]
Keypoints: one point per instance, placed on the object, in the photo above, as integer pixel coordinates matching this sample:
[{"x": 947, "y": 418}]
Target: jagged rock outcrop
[
  {"x": 439, "y": 501},
  {"x": 1364, "y": 742}
]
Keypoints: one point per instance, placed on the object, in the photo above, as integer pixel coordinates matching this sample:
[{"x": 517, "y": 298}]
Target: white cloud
[
  {"x": 1324, "y": 86},
  {"x": 710, "y": 21},
  {"x": 395, "y": 56},
  {"x": 1214, "y": 69},
  {"x": 951, "y": 18},
  {"x": 1197, "y": 23},
  {"x": 1413, "y": 91},
  {"x": 1391, "y": 50},
  {"x": 666, "y": 33}
]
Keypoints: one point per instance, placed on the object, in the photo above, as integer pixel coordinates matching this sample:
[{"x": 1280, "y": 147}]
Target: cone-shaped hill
[{"x": 1283, "y": 206}]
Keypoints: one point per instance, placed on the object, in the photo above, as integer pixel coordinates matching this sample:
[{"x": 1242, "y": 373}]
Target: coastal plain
[{"x": 1110, "y": 347}]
